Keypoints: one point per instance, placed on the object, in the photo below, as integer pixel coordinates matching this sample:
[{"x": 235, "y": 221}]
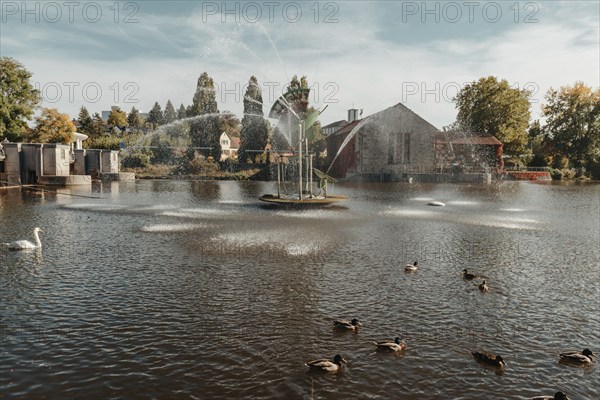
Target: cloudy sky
[{"x": 366, "y": 55}]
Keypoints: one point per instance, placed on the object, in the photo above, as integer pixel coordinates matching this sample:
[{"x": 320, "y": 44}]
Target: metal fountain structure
[{"x": 305, "y": 195}]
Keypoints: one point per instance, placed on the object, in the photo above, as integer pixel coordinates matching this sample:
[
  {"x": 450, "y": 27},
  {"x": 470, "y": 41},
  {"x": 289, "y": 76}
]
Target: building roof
[
  {"x": 235, "y": 142},
  {"x": 337, "y": 124},
  {"x": 345, "y": 129},
  {"x": 468, "y": 138}
]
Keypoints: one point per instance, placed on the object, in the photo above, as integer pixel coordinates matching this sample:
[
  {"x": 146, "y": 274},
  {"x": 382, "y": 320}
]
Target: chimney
[{"x": 352, "y": 114}]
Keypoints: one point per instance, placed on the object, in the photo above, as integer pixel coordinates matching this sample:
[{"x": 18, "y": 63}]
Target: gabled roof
[
  {"x": 235, "y": 143},
  {"x": 345, "y": 129},
  {"x": 336, "y": 124},
  {"x": 469, "y": 138}
]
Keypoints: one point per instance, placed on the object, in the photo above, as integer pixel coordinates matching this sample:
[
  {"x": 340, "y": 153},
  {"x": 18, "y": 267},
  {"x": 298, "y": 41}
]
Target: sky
[{"x": 366, "y": 55}]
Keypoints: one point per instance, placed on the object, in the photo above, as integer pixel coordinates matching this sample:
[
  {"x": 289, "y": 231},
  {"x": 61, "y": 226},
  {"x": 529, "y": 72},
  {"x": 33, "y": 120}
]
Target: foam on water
[
  {"x": 195, "y": 213},
  {"x": 172, "y": 227},
  {"x": 463, "y": 202},
  {"x": 95, "y": 207},
  {"x": 285, "y": 240},
  {"x": 311, "y": 214},
  {"x": 422, "y": 198},
  {"x": 512, "y": 209}
]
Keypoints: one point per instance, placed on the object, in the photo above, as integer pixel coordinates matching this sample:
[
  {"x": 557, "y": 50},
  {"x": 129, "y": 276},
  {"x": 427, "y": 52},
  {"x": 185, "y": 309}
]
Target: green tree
[
  {"x": 134, "y": 120},
  {"x": 493, "y": 107},
  {"x": 228, "y": 122},
  {"x": 85, "y": 121},
  {"x": 155, "y": 116},
  {"x": 204, "y": 132},
  {"x": 169, "y": 115},
  {"x": 181, "y": 114},
  {"x": 117, "y": 118},
  {"x": 573, "y": 124},
  {"x": 52, "y": 127},
  {"x": 254, "y": 134},
  {"x": 98, "y": 127},
  {"x": 19, "y": 99}
]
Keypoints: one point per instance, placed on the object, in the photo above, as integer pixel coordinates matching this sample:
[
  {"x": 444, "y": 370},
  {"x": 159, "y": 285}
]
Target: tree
[
  {"x": 134, "y": 120},
  {"x": 204, "y": 132},
  {"x": 98, "y": 127},
  {"x": 181, "y": 114},
  {"x": 573, "y": 124},
  {"x": 492, "y": 107},
  {"x": 155, "y": 116},
  {"x": 169, "y": 115},
  {"x": 52, "y": 127},
  {"x": 229, "y": 123},
  {"x": 117, "y": 118},
  {"x": 254, "y": 134},
  {"x": 19, "y": 99},
  {"x": 85, "y": 121}
]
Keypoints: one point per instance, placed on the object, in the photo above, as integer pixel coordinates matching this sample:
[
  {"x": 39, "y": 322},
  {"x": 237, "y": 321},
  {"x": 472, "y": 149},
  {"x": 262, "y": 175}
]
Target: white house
[{"x": 229, "y": 146}]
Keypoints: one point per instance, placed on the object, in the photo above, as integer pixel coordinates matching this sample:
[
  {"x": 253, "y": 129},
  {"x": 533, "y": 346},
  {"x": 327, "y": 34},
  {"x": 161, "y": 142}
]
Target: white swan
[{"x": 26, "y": 244}]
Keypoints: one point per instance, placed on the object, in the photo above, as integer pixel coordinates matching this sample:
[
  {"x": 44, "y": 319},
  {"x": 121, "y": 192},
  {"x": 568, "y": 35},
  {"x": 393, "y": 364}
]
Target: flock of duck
[{"x": 576, "y": 358}]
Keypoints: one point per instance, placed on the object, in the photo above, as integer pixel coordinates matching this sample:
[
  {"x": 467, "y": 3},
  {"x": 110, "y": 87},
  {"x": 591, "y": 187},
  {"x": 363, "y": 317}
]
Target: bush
[
  {"x": 137, "y": 159},
  {"x": 103, "y": 142},
  {"x": 198, "y": 166}
]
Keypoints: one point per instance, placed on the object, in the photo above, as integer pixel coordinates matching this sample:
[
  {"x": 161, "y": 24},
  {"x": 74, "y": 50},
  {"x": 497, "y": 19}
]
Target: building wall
[{"x": 395, "y": 140}]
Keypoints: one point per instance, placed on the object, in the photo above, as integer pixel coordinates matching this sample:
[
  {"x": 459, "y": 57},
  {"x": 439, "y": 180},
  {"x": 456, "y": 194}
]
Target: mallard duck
[
  {"x": 391, "y": 345},
  {"x": 468, "y": 276},
  {"x": 411, "y": 267},
  {"x": 26, "y": 244},
  {"x": 483, "y": 287},
  {"x": 488, "y": 358},
  {"x": 344, "y": 325},
  {"x": 327, "y": 365},
  {"x": 557, "y": 396},
  {"x": 579, "y": 357}
]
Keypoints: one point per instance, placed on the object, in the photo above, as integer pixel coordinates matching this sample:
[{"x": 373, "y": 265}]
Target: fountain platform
[{"x": 306, "y": 201}]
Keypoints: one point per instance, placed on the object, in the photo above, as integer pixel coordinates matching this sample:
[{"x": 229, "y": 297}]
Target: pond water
[{"x": 170, "y": 289}]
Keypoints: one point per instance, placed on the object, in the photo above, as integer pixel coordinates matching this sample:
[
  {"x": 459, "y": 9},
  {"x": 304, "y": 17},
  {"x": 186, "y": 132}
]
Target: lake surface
[{"x": 166, "y": 289}]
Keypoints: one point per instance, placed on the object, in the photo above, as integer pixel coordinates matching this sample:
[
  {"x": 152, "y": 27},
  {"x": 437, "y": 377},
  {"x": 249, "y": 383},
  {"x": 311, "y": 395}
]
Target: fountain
[{"x": 305, "y": 196}]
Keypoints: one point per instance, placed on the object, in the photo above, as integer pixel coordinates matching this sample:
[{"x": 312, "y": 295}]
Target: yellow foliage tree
[
  {"x": 117, "y": 118},
  {"x": 52, "y": 127}
]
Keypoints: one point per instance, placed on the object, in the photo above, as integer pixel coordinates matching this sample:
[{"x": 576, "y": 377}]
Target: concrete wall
[
  {"x": 56, "y": 159},
  {"x": 110, "y": 161},
  {"x": 79, "y": 162},
  {"x": 12, "y": 163}
]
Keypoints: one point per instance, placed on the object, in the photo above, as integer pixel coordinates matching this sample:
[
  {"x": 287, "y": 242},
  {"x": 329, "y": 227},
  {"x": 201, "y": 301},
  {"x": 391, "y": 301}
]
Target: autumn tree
[
  {"x": 254, "y": 134},
  {"x": 52, "y": 127},
  {"x": 117, "y": 117},
  {"x": 181, "y": 114},
  {"x": 85, "y": 121},
  {"x": 573, "y": 124},
  {"x": 19, "y": 99},
  {"x": 204, "y": 131},
  {"x": 169, "y": 115},
  {"x": 493, "y": 107},
  {"x": 155, "y": 116}
]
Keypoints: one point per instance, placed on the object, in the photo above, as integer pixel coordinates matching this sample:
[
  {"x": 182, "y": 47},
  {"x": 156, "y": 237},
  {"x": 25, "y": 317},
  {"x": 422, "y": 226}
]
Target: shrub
[{"x": 136, "y": 159}]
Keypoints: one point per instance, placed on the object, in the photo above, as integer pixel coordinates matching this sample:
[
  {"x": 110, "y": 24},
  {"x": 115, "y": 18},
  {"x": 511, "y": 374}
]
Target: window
[
  {"x": 62, "y": 154},
  {"x": 407, "y": 147}
]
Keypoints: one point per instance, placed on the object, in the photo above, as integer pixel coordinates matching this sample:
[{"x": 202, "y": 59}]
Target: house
[
  {"x": 398, "y": 144},
  {"x": 229, "y": 146},
  {"x": 333, "y": 127}
]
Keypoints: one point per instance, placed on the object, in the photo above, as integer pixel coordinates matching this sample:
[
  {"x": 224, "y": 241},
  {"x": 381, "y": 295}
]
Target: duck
[
  {"x": 489, "y": 358},
  {"x": 483, "y": 287},
  {"x": 557, "y": 396},
  {"x": 411, "y": 267},
  {"x": 326, "y": 365},
  {"x": 391, "y": 345},
  {"x": 579, "y": 357},
  {"x": 26, "y": 244},
  {"x": 468, "y": 276},
  {"x": 345, "y": 325}
]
